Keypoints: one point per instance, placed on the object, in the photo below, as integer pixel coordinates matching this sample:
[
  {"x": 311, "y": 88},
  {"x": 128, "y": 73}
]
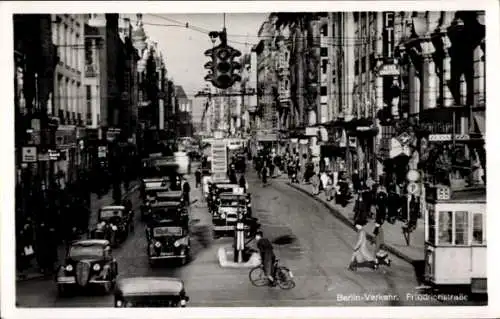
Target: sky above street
[{"x": 183, "y": 47}]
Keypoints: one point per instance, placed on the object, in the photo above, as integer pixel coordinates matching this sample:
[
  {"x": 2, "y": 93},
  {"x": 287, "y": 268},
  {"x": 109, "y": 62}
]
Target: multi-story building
[
  {"x": 68, "y": 35},
  {"x": 282, "y": 69},
  {"x": 267, "y": 84},
  {"x": 35, "y": 59},
  {"x": 442, "y": 67},
  {"x": 249, "y": 85},
  {"x": 388, "y": 81}
]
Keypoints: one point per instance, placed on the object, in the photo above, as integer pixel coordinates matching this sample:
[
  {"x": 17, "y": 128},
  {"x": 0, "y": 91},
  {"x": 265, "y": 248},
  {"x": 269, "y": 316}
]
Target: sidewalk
[
  {"x": 95, "y": 203},
  {"x": 393, "y": 234}
]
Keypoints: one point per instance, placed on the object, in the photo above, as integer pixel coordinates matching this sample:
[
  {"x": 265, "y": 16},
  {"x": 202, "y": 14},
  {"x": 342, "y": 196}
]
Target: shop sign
[
  {"x": 448, "y": 137},
  {"x": 65, "y": 137},
  {"x": 102, "y": 151},
  {"x": 29, "y": 154},
  {"x": 311, "y": 131},
  {"x": 112, "y": 134},
  {"x": 363, "y": 128},
  {"x": 43, "y": 157},
  {"x": 54, "y": 155},
  {"x": 389, "y": 70}
]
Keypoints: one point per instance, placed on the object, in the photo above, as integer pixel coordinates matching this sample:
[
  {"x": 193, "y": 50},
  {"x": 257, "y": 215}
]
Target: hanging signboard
[
  {"x": 389, "y": 70},
  {"x": 448, "y": 137},
  {"x": 29, "y": 154},
  {"x": 54, "y": 155}
]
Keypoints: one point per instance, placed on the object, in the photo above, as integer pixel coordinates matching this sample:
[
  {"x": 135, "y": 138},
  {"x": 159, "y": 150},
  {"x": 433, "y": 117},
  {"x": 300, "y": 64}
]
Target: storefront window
[
  {"x": 477, "y": 229},
  {"x": 445, "y": 227},
  {"x": 431, "y": 224},
  {"x": 461, "y": 228}
]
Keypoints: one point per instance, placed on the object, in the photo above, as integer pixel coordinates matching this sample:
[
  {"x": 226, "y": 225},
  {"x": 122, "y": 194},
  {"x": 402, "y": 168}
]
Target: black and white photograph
[{"x": 282, "y": 158}]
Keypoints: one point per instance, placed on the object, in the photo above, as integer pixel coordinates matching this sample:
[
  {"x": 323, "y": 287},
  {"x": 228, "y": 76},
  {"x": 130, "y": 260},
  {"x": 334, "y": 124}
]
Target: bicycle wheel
[
  {"x": 285, "y": 278},
  {"x": 257, "y": 277}
]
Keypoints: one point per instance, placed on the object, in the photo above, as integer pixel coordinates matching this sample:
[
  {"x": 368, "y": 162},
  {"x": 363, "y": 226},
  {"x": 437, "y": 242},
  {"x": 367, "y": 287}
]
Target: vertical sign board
[
  {"x": 29, "y": 154},
  {"x": 219, "y": 159}
]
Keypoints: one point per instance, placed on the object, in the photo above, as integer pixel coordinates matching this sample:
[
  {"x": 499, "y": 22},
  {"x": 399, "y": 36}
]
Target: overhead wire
[{"x": 206, "y": 31}]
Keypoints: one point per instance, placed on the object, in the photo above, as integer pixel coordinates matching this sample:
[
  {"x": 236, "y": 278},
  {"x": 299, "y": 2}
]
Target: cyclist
[{"x": 268, "y": 258}]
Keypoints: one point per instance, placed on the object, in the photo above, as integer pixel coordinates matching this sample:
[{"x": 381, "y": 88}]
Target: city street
[{"x": 318, "y": 255}]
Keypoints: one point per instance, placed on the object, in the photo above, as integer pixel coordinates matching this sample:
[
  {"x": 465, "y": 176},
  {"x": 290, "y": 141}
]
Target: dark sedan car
[{"x": 142, "y": 292}]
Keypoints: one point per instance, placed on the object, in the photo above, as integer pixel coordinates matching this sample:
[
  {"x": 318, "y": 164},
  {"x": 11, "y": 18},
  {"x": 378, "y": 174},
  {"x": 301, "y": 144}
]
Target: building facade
[{"x": 183, "y": 107}]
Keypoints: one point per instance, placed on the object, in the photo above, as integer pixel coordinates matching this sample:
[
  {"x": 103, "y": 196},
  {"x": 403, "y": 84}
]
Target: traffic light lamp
[{"x": 222, "y": 67}]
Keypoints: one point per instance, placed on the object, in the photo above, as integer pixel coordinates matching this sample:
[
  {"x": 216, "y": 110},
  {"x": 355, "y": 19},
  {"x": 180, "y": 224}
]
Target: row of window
[
  {"x": 67, "y": 94},
  {"x": 454, "y": 228},
  {"x": 68, "y": 37}
]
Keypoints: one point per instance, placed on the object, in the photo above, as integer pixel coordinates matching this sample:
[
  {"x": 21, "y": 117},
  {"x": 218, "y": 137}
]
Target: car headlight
[
  {"x": 113, "y": 227},
  {"x": 177, "y": 243},
  {"x": 96, "y": 267},
  {"x": 157, "y": 244},
  {"x": 222, "y": 215},
  {"x": 69, "y": 268},
  {"x": 183, "y": 303},
  {"x": 119, "y": 303}
]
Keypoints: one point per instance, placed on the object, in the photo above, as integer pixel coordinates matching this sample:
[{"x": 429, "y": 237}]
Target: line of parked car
[{"x": 89, "y": 262}]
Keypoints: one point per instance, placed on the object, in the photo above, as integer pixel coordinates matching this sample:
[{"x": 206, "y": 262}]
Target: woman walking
[{"x": 361, "y": 254}]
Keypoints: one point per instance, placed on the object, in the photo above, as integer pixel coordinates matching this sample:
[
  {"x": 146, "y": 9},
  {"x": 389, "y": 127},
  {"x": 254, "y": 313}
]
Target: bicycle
[{"x": 282, "y": 275}]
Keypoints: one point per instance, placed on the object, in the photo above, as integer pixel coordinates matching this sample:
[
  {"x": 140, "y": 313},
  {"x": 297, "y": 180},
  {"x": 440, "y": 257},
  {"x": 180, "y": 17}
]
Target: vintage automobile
[
  {"x": 113, "y": 224},
  {"x": 142, "y": 292},
  {"x": 150, "y": 195},
  {"x": 168, "y": 210},
  {"x": 168, "y": 238},
  {"x": 88, "y": 262},
  {"x": 216, "y": 189},
  {"x": 230, "y": 208}
]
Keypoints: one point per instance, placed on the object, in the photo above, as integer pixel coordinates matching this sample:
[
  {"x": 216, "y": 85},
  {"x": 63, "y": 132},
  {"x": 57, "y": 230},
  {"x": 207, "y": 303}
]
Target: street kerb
[
  {"x": 223, "y": 252},
  {"x": 396, "y": 252}
]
